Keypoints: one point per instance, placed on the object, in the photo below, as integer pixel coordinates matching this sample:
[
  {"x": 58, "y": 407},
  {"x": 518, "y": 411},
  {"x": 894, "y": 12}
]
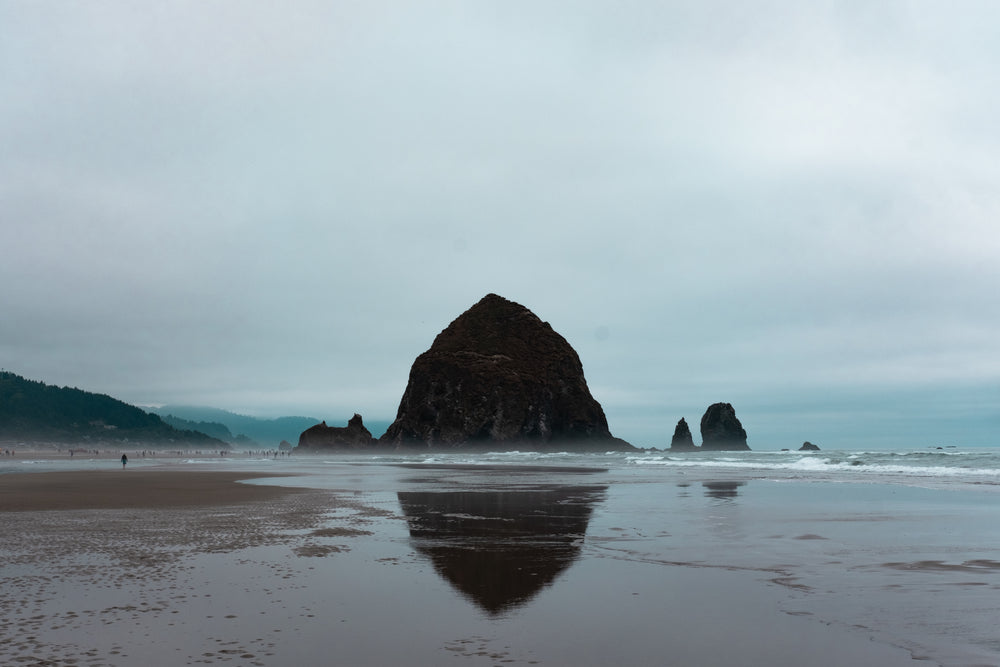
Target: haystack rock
[
  {"x": 682, "y": 440},
  {"x": 721, "y": 430},
  {"x": 808, "y": 447},
  {"x": 499, "y": 377},
  {"x": 324, "y": 438}
]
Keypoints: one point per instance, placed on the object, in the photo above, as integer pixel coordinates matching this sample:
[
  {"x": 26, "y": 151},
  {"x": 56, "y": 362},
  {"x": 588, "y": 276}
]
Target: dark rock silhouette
[
  {"x": 498, "y": 376},
  {"x": 682, "y": 440},
  {"x": 808, "y": 447},
  {"x": 721, "y": 430},
  {"x": 322, "y": 437},
  {"x": 500, "y": 548}
]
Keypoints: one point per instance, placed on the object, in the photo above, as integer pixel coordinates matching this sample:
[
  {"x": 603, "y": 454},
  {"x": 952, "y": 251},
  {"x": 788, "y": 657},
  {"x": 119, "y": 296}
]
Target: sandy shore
[
  {"x": 130, "y": 489},
  {"x": 172, "y": 564},
  {"x": 153, "y": 566}
]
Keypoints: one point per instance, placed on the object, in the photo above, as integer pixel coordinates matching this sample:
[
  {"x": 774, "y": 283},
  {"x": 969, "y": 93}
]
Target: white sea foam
[{"x": 858, "y": 465}]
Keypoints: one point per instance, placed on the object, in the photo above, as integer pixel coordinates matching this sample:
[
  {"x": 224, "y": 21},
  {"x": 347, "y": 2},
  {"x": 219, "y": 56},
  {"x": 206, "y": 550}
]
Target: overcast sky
[{"x": 273, "y": 208}]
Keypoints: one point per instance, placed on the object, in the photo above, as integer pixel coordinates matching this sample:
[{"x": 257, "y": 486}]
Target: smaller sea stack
[
  {"x": 721, "y": 430},
  {"x": 682, "y": 440},
  {"x": 321, "y": 437}
]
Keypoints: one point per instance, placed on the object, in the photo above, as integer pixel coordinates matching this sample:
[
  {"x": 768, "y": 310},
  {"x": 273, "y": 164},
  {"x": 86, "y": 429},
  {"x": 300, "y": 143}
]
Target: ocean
[
  {"x": 649, "y": 557},
  {"x": 949, "y": 467},
  {"x": 936, "y": 467}
]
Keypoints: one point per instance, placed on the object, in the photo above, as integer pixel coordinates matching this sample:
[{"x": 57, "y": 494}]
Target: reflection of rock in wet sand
[
  {"x": 500, "y": 548},
  {"x": 722, "y": 490}
]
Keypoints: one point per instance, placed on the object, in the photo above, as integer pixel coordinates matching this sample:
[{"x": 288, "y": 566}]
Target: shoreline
[
  {"x": 164, "y": 555},
  {"x": 14, "y": 453}
]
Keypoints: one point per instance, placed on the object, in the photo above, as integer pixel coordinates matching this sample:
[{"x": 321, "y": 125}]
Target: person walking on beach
[{"x": 124, "y": 461}]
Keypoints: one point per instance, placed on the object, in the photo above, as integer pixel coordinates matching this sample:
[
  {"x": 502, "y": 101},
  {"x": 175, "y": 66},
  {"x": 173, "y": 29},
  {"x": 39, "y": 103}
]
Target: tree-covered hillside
[
  {"x": 214, "y": 429},
  {"x": 35, "y": 411},
  {"x": 262, "y": 432}
]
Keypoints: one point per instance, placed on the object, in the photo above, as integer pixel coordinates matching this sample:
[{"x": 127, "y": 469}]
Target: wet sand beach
[
  {"x": 373, "y": 564},
  {"x": 104, "y": 567},
  {"x": 130, "y": 489}
]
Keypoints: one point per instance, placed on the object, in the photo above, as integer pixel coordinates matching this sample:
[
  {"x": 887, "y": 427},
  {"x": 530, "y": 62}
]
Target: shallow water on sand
[{"x": 510, "y": 562}]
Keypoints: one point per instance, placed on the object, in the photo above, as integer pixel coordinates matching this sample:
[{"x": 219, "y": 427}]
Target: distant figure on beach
[{"x": 124, "y": 460}]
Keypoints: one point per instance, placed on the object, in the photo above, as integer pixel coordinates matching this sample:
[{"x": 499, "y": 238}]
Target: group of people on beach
[{"x": 180, "y": 452}]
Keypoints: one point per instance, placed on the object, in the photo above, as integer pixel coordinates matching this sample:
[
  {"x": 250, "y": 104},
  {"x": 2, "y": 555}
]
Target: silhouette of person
[{"x": 124, "y": 460}]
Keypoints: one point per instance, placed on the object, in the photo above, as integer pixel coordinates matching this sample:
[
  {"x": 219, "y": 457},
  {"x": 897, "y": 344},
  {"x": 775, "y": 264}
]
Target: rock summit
[
  {"x": 498, "y": 376},
  {"x": 721, "y": 430}
]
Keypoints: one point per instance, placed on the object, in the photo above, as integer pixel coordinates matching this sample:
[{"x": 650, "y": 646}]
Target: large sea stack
[
  {"x": 499, "y": 377},
  {"x": 721, "y": 430}
]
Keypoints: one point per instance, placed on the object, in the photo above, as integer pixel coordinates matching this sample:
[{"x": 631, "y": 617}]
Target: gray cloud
[{"x": 272, "y": 209}]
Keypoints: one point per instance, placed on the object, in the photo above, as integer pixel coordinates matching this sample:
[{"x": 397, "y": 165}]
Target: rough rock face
[
  {"x": 322, "y": 437},
  {"x": 721, "y": 430},
  {"x": 682, "y": 439},
  {"x": 499, "y": 376},
  {"x": 808, "y": 447}
]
